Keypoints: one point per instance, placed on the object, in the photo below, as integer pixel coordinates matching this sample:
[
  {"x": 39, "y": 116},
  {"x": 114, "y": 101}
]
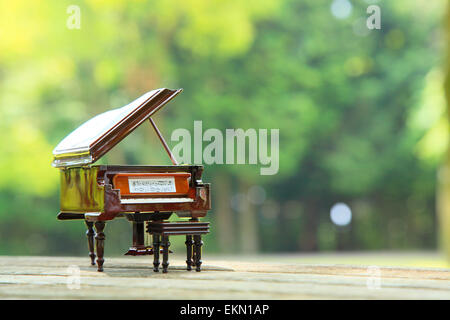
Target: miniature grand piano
[{"x": 142, "y": 194}]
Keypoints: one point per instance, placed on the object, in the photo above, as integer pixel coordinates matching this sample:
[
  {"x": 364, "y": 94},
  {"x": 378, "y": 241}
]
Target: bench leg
[
  {"x": 100, "y": 243},
  {"x": 90, "y": 236},
  {"x": 165, "y": 245},
  {"x": 198, "y": 252},
  {"x": 156, "y": 244},
  {"x": 189, "y": 244}
]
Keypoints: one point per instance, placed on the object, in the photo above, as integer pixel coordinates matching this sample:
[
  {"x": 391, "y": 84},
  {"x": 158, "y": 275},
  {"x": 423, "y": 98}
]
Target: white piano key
[{"x": 155, "y": 200}]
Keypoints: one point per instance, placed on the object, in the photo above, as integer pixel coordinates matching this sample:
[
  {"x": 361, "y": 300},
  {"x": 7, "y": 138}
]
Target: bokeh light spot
[
  {"x": 256, "y": 194},
  {"x": 341, "y": 9},
  {"x": 360, "y": 28},
  {"x": 341, "y": 214}
]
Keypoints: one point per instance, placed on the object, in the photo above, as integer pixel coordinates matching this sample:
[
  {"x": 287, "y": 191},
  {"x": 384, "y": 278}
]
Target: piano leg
[
  {"x": 90, "y": 236},
  {"x": 198, "y": 252},
  {"x": 189, "y": 244},
  {"x": 156, "y": 244},
  {"x": 100, "y": 243},
  {"x": 165, "y": 245},
  {"x": 138, "y": 247}
]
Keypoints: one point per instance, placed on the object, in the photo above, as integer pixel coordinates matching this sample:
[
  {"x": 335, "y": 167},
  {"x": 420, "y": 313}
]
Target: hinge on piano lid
[{"x": 163, "y": 142}]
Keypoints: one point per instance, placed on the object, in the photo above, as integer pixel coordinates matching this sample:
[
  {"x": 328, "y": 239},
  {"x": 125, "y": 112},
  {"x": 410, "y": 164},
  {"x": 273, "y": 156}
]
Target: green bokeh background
[{"x": 361, "y": 114}]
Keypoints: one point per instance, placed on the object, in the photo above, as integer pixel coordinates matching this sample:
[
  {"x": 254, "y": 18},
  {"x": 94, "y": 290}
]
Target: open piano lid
[{"x": 90, "y": 141}]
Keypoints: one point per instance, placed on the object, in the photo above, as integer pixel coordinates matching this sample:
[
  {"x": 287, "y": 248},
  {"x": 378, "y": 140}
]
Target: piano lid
[{"x": 90, "y": 141}]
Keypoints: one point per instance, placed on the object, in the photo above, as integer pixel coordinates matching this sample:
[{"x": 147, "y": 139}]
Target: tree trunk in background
[
  {"x": 308, "y": 236},
  {"x": 443, "y": 206},
  {"x": 248, "y": 223},
  {"x": 225, "y": 231},
  {"x": 443, "y": 176}
]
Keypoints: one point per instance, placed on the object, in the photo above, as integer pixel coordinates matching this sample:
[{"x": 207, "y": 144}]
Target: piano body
[{"x": 142, "y": 194}]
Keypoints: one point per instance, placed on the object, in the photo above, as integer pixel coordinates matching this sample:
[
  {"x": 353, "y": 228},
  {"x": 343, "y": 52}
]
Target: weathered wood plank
[{"x": 133, "y": 278}]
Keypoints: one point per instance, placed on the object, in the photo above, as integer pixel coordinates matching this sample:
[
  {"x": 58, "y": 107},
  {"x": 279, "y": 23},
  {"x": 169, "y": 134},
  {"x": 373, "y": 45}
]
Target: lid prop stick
[{"x": 161, "y": 138}]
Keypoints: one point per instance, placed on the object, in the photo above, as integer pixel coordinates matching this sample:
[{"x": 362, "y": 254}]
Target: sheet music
[{"x": 152, "y": 185}]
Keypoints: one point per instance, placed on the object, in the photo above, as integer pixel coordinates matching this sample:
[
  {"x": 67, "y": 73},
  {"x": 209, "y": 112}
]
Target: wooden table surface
[{"x": 133, "y": 278}]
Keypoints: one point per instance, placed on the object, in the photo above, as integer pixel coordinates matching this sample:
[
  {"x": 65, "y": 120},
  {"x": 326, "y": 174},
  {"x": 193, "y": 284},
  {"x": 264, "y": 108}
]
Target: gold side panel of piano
[{"x": 80, "y": 191}]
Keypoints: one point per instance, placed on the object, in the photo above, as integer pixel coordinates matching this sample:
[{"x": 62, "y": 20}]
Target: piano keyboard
[{"x": 155, "y": 200}]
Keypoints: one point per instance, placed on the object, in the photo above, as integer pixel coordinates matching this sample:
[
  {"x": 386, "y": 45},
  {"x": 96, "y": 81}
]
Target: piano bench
[{"x": 193, "y": 230}]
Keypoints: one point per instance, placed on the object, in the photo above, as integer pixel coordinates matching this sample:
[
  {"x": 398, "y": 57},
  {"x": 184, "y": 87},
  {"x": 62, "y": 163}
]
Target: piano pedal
[{"x": 133, "y": 251}]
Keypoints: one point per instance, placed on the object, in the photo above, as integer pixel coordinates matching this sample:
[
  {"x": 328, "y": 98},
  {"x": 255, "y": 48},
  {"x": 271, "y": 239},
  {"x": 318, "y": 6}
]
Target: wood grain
[{"x": 133, "y": 278}]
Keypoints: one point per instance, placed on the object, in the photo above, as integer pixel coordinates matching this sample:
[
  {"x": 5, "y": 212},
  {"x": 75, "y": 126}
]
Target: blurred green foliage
[{"x": 360, "y": 112}]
